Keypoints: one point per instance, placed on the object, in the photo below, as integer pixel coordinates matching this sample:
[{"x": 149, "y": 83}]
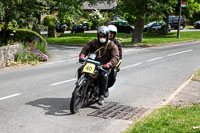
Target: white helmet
[{"x": 112, "y": 28}]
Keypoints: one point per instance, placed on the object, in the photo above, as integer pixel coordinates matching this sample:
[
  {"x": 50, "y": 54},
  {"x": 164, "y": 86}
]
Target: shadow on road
[{"x": 53, "y": 106}]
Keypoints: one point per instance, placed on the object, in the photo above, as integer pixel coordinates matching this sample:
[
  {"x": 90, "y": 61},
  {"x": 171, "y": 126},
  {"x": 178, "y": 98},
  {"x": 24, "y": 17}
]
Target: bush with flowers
[
  {"x": 34, "y": 47},
  {"x": 31, "y": 54}
]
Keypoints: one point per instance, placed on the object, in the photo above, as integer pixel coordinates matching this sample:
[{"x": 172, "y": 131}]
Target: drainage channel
[{"x": 118, "y": 111}]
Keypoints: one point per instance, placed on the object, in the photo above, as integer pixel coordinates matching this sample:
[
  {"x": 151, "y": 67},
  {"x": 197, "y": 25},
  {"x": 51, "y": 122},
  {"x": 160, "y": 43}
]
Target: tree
[
  {"x": 145, "y": 9},
  {"x": 67, "y": 8},
  {"x": 21, "y": 13},
  {"x": 192, "y": 9}
]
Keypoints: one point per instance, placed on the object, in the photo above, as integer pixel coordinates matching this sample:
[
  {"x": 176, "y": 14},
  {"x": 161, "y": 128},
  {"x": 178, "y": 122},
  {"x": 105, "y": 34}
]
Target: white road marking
[
  {"x": 66, "y": 81},
  {"x": 61, "y": 61},
  {"x": 131, "y": 65},
  {"x": 137, "y": 64},
  {"x": 157, "y": 58},
  {"x": 175, "y": 93},
  {"x": 10, "y": 96},
  {"x": 62, "y": 82},
  {"x": 190, "y": 50}
]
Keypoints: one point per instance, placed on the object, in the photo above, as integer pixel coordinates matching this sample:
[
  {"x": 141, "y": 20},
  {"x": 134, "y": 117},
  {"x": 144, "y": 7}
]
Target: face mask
[{"x": 102, "y": 40}]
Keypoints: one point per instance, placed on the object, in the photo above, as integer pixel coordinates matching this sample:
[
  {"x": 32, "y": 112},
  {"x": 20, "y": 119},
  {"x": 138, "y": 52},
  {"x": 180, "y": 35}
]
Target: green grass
[
  {"x": 151, "y": 39},
  {"x": 159, "y": 40},
  {"x": 197, "y": 76},
  {"x": 77, "y": 39},
  {"x": 189, "y": 27},
  {"x": 72, "y": 39},
  {"x": 169, "y": 120}
]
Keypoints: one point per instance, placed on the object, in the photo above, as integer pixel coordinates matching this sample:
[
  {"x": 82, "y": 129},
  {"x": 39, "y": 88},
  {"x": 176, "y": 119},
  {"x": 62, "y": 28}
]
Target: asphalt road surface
[{"x": 36, "y": 99}]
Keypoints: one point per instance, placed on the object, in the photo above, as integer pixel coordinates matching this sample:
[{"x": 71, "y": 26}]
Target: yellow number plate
[{"x": 89, "y": 68}]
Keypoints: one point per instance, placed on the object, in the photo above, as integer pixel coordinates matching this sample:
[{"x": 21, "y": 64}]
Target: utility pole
[{"x": 179, "y": 19}]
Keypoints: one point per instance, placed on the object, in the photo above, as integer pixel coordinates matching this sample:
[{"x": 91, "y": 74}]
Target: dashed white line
[
  {"x": 180, "y": 52},
  {"x": 137, "y": 64},
  {"x": 66, "y": 81},
  {"x": 131, "y": 65},
  {"x": 10, "y": 96},
  {"x": 61, "y": 61},
  {"x": 157, "y": 58}
]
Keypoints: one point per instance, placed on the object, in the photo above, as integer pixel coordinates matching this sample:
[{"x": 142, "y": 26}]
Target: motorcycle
[
  {"x": 86, "y": 91},
  {"x": 60, "y": 28},
  {"x": 77, "y": 28}
]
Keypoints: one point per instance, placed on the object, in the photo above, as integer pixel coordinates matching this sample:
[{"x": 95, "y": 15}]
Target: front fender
[{"x": 81, "y": 80}]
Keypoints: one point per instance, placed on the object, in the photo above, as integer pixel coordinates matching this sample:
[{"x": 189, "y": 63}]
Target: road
[{"x": 36, "y": 99}]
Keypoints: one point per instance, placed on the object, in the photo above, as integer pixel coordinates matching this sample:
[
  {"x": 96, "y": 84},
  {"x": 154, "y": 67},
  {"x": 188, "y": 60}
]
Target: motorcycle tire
[
  {"x": 91, "y": 99},
  {"x": 78, "y": 98}
]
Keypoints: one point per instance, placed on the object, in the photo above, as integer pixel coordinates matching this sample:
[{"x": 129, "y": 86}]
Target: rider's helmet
[
  {"x": 112, "y": 28},
  {"x": 103, "y": 30}
]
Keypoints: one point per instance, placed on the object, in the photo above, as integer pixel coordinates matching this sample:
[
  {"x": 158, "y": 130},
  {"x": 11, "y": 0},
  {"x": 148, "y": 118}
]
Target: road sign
[{"x": 183, "y": 4}]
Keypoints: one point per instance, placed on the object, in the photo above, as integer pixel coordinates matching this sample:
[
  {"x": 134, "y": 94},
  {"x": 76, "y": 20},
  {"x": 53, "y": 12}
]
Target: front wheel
[{"x": 77, "y": 98}]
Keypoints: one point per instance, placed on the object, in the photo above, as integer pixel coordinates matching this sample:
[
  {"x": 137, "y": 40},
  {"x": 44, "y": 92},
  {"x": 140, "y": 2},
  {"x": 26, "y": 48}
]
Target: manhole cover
[{"x": 118, "y": 111}]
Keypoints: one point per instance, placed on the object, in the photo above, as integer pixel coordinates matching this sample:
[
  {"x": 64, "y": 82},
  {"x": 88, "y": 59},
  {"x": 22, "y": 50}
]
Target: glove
[
  {"x": 107, "y": 66},
  {"x": 82, "y": 58}
]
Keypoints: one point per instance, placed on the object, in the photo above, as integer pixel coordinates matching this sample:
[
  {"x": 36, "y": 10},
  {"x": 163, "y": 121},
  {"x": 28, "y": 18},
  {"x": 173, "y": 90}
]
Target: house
[{"x": 103, "y": 6}]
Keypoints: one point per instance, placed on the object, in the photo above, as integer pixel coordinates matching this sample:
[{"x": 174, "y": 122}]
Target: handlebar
[{"x": 97, "y": 63}]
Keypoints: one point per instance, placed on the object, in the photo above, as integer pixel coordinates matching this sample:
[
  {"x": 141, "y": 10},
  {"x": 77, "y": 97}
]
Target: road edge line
[
  {"x": 176, "y": 92},
  {"x": 172, "y": 96}
]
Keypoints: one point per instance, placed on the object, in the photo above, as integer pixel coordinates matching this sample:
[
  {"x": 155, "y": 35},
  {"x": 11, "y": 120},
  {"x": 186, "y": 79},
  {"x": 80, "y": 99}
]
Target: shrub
[
  {"x": 34, "y": 47},
  {"x": 30, "y": 54},
  {"x": 26, "y": 36},
  {"x": 49, "y": 22}
]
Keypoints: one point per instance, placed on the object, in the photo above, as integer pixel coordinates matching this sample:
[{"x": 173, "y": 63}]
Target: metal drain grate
[{"x": 118, "y": 111}]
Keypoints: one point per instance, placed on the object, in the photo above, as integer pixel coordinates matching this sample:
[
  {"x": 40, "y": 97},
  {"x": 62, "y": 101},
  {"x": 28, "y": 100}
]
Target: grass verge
[
  {"x": 154, "y": 39},
  {"x": 77, "y": 39},
  {"x": 170, "y": 120},
  {"x": 197, "y": 75}
]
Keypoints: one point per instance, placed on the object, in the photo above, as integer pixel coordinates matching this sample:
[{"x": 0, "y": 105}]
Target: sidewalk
[{"x": 190, "y": 94}]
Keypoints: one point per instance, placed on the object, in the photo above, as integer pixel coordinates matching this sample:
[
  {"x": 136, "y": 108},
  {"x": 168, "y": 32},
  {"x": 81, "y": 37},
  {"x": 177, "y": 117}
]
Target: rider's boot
[
  {"x": 103, "y": 87},
  {"x": 106, "y": 94},
  {"x": 101, "y": 100}
]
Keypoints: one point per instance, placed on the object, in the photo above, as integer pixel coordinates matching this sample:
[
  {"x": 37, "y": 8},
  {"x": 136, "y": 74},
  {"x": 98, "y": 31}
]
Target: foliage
[
  {"x": 49, "y": 22},
  {"x": 68, "y": 10},
  {"x": 192, "y": 11},
  {"x": 34, "y": 47},
  {"x": 192, "y": 7},
  {"x": 25, "y": 35},
  {"x": 30, "y": 54},
  {"x": 145, "y": 10},
  {"x": 22, "y": 13}
]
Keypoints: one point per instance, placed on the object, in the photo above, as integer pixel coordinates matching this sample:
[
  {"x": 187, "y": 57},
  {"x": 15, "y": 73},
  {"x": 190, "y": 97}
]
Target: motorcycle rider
[
  {"x": 107, "y": 54},
  {"x": 112, "y": 77}
]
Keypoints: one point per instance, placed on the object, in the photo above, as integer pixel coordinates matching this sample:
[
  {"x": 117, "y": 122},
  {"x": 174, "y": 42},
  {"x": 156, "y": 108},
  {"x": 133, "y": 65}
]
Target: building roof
[{"x": 99, "y": 6}]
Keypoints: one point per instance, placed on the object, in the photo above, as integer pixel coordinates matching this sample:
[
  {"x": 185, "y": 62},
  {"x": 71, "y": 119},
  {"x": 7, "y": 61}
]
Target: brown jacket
[{"x": 107, "y": 54}]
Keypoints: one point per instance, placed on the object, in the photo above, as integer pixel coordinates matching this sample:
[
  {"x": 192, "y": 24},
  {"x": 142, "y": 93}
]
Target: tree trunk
[
  {"x": 4, "y": 32},
  {"x": 166, "y": 19},
  {"x": 138, "y": 32}
]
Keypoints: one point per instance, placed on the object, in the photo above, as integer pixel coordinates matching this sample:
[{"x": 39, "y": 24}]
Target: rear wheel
[{"x": 77, "y": 98}]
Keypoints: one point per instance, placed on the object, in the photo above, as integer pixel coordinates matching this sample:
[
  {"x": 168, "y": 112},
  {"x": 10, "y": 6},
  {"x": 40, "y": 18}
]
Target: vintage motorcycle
[
  {"x": 77, "y": 28},
  {"x": 60, "y": 28},
  {"x": 86, "y": 91}
]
